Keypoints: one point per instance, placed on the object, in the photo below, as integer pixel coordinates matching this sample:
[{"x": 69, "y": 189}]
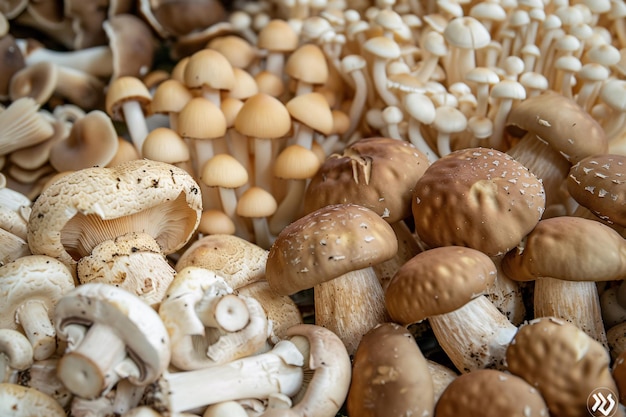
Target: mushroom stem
[
  {"x": 262, "y": 163},
  {"x": 262, "y": 235},
  {"x": 228, "y": 198},
  {"x": 135, "y": 123},
  {"x": 350, "y": 305},
  {"x": 418, "y": 140},
  {"x": 257, "y": 376},
  {"x": 379, "y": 72},
  {"x": 443, "y": 143},
  {"x": 303, "y": 135},
  {"x": 576, "y": 302},
  {"x": 212, "y": 94},
  {"x": 34, "y": 319},
  {"x": 96, "y": 364},
  {"x": 478, "y": 324},
  {"x": 228, "y": 313},
  {"x": 97, "y": 60},
  {"x": 497, "y": 138},
  {"x": 289, "y": 207},
  {"x": 274, "y": 63},
  {"x": 358, "y": 102}
]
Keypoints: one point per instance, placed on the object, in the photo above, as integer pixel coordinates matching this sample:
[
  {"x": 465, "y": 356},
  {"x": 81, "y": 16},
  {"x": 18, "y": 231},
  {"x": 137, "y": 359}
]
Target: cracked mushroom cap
[
  {"x": 561, "y": 362},
  {"x": 560, "y": 122},
  {"x": 568, "y": 248},
  {"x": 87, "y": 207},
  {"x": 477, "y": 197},
  {"x": 378, "y": 173},
  {"x": 597, "y": 183},
  {"x": 136, "y": 323},
  {"x": 390, "y": 375},
  {"x": 438, "y": 281},
  {"x": 326, "y": 244},
  {"x": 490, "y": 392}
]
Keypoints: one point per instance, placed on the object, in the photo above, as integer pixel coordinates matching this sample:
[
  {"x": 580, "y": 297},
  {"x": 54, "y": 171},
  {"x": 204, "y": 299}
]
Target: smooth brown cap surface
[
  {"x": 326, "y": 244},
  {"x": 559, "y": 121},
  {"x": 377, "y": 173},
  {"x": 308, "y": 64},
  {"x": 477, "y": 197},
  {"x": 597, "y": 183},
  {"x": 263, "y": 116},
  {"x": 438, "y": 281},
  {"x": 489, "y": 392},
  {"x": 390, "y": 375},
  {"x": 312, "y": 110},
  {"x": 568, "y": 248},
  {"x": 561, "y": 362}
]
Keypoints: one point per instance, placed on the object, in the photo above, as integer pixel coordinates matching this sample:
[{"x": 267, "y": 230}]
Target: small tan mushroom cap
[
  {"x": 86, "y": 207},
  {"x": 561, "y": 362},
  {"x": 477, "y": 197},
  {"x": 560, "y": 122},
  {"x": 438, "y": 281},
  {"x": 488, "y": 392},
  {"x": 326, "y": 244},
  {"x": 377, "y": 173},
  {"x": 568, "y": 248},
  {"x": 390, "y": 375},
  {"x": 597, "y": 183}
]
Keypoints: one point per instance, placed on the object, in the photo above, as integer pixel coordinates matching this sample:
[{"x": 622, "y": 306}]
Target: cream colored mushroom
[
  {"x": 19, "y": 401},
  {"x": 16, "y": 354}
]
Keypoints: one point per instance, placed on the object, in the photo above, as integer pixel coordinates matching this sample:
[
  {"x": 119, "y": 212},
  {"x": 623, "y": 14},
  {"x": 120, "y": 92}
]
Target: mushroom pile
[{"x": 213, "y": 209}]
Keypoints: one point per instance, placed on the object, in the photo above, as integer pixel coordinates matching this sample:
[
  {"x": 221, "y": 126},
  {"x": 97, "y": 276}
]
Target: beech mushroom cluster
[{"x": 241, "y": 209}]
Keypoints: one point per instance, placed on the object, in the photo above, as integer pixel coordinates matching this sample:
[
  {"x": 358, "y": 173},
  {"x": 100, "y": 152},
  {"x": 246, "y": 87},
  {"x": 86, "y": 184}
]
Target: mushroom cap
[
  {"x": 312, "y": 110},
  {"x": 390, "y": 375},
  {"x": 223, "y": 170},
  {"x": 263, "y": 116},
  {"x": 597, "y": 183},
  {"x": 560, "y": 122},
  {"x": 568, "y": 248},
  {"x": 382, "y": 47},
  {"x": 12, "y": 62},
  {"x": 31, "y": 278},
  {"x": 256, "y": 202},
  {"x": 438, "y": 281},
  {"x": 170, "y": 96},
  {"x": 477, "y": 197},
  {"x": 37, "y": 80},
  {"x": 307, "y": 63},
  {"x": 92, "y": 141},
  {"x": 490, "y": 392},
  {"x": 562, "y": 362},
  {"x": 466, "y": 32},
  {"x": 278, "y": 36},
  {"x": 327, "y": 243},
  {"x": 377, "y": 173},
  {"x": 214, "y": 222},
  {"x": 238, "y": 51},
  {"x": 132, "y": 320},
  {"x": 296, "y": 162},
  {"x": 201, "y": 119},
  {"x": 165, "y": 145},
  {"x": 210, "y": 68},
  {"x": 124, "y": 89},
  {"x": 69, "y": 217},
  {"x": 132, "y": 45},
  {"x": 17, "y": 400}
]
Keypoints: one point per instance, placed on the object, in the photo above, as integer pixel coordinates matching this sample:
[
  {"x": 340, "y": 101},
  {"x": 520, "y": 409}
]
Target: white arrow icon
[{"x": 602, "y": 404}]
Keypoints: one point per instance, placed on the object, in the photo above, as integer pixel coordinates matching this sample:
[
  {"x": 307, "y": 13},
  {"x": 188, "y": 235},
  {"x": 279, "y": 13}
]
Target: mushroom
[
  {"x": 473, "y": 394},
  {"x": 209, "y": 72},
  {"x": 42, "y": 376},
  {"x": 208, "y": 324},
  {"x": 22, "y": 125},
  {"x": 332, "y": 250},
  {"x": 111, "y": 335},
  {"x": 447, "y": 286},
  {"x": 19, "y": 401},
  {"x": 390, "y": 375},
  {"x": 32, "y": 286},
  {"x": 561, "y": 362},
  {"x": 311, "y": 113},
  {"x": 258, "y": 205},
  {"x": 16, "y": 354},
  {"x": 144, "y": 196}
]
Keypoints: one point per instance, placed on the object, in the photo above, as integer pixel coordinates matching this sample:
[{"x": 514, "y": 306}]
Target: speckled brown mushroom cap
[
  {"x": 489, "y": 392},
  {"x": 390, "y": 375},
  {"x": 568, "y": 248},
  {"x": 560, "y": 122},
  {"x": 438, "y": 281},
  {"x": 561, "y": 362},
  {"x": 597, "y": 183},
  {"x": 477, "y": 197},
  {"x": 326, "y": 244},
  {"x": 378, "y": 173},
  {"x": 86, "y": 207}
]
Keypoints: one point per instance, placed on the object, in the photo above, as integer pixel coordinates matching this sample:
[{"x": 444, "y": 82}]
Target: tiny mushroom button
[
  {"x": 477, "y": 197},
  {"x": 333, "y": 250}
]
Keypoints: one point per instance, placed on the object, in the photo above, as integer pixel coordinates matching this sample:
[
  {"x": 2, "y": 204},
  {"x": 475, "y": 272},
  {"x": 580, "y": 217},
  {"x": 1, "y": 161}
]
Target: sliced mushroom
[{"x": 124, "y": 338}]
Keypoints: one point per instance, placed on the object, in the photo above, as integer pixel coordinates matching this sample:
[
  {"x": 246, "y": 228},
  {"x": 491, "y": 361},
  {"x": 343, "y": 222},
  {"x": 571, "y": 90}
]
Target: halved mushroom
[{"x": 111, "y": 335}]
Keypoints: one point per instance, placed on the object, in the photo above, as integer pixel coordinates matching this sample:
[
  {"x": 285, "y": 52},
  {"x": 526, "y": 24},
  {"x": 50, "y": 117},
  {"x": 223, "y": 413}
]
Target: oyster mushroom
[{"x": 111, "y": 335}]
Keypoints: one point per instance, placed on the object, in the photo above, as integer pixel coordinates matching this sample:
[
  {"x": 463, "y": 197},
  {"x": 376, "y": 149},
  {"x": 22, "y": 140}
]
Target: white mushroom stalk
[
  {"x": 125, "y": 339},
  {"x": 257, "y": 376},
  {"x": 96, "y": 60},
  {"x": 16, "y": 354}
]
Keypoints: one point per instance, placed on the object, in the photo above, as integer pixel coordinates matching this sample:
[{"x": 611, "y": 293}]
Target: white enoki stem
[
  {"x": 34, "y": 319},
  {"x": 212, "y": 94},
  {"x": 97, "y": 60},
  {"x": 135, "y": 123},
  {"x": 303, "y": 135},
  {"x": 497, "y": 138},
  {"x": 228, "y": 313},
  {"x": 418, "y": 140},
  {"x": 289, "y": 208},
  {"x": 358, "y": 102},
  {"x": 263, "y": 163},
  {"x": 238, "y": 147},
  {"x": 379, "y": 72},
  {"x": 303, "y": 88},
  {"x": 576, "y": 302},
  {"x": 262, "y": 235},
  {"x": 443, "y": 144},
  {"x": 96, "y": 364},
  {"x": 479, "y": 325},
  {"x": 274, "y": 63},
  {"x": 350, "y": 305},
  {"x": 257, "y": 376}
]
